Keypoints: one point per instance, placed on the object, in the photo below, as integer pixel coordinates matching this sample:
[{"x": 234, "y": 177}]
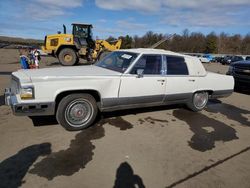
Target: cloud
[
  {"x": 156, "y": 5},
  {"x": 206, "y": 13},
  {"x": 141, "y": 5},
  {"x": 48, "y": 9},
  {"x": 60, "y": 3},
  {"x": 130, "y": 25},
  {"x": 37, "y": 12},
  {"x": 102, "y": 20}
]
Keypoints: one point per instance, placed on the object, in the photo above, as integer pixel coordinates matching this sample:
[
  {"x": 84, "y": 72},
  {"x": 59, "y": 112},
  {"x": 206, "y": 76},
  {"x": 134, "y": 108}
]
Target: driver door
[{"x": 146, "y": 89}]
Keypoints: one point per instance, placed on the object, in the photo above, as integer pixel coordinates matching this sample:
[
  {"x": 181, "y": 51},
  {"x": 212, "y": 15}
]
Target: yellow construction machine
[{"x": 68, "y": 48}]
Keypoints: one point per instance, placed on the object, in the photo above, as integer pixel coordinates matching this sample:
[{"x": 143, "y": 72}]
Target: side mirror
[{"x": 140, "y": 73}]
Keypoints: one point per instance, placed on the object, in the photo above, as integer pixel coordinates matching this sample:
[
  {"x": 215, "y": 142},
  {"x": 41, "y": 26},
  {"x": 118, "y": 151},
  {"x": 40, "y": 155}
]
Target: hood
[
  {"x": 21, "y": 76},
  {"x": 242, "y": 64},
  {"x": 68, "y": 72}
]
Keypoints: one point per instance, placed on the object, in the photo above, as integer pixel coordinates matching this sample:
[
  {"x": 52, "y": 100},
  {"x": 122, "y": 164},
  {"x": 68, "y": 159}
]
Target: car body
[
  {"x": 124, "y": 79},
  {"x": 241, "y": 73},
  {"x": 231, "y": 59}
]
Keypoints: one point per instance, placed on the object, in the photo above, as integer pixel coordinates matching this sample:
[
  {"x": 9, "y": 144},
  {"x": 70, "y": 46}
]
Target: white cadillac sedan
[{"x": 124, "y": 79}]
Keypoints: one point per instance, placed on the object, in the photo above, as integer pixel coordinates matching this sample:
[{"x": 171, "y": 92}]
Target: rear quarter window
[{"x": 176, "y": 65}]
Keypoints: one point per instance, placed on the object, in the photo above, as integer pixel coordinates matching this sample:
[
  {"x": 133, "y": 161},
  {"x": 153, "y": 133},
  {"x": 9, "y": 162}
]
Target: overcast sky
[{"x": 36, "y": 18}]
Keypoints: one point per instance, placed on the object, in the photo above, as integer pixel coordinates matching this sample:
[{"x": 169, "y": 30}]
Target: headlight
[
  {"x": 27, "y": 93},
  {"x": 67, "y": 39}
]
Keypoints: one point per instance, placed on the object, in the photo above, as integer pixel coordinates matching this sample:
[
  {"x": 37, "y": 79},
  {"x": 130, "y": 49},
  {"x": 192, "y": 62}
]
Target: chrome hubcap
[
  {"x": 200, "y": 99},
  {"x": 78, "y": 112}
]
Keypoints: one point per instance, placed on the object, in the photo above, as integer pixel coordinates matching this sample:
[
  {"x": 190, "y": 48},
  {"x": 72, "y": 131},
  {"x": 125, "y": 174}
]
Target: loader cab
[{"x": 83, "y": 36}]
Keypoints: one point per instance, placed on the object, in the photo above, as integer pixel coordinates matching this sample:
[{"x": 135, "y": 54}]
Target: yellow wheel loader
[{"x": 68, "y": 48}]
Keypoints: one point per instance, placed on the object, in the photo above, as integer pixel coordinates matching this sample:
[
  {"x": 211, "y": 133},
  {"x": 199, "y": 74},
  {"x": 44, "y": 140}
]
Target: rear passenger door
[{"x": 179, "y": 85}]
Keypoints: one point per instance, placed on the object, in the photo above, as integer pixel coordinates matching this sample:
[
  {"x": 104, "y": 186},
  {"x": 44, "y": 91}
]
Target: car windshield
[{"x": 117, "y": 61}]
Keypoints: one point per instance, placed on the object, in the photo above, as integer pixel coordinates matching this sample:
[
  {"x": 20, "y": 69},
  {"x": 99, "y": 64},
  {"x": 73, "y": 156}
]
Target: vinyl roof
[{"x": 152, "y": 51}]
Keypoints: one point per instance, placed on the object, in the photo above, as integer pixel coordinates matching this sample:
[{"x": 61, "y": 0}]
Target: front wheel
[
  {"x": 199, "y": 101},
  {"x": 68, "y": 57},
  {"x": 76, "y": 111}
]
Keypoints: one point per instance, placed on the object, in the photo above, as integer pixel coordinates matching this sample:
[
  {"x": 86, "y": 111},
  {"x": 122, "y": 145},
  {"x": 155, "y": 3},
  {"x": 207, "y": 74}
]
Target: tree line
[{"x": 191, "y": 42}]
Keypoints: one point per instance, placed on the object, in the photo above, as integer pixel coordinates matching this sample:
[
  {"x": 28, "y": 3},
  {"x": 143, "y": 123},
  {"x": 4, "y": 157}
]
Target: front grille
[{"x": 15, "y": 85}]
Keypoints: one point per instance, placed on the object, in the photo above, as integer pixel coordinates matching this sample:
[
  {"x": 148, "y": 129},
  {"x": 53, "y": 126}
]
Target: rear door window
[{"x": 176, "y": 65}]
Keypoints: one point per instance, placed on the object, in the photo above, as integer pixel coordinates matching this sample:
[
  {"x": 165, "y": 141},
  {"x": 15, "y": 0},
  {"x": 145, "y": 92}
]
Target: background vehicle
[
  {"x": 231, "y": 59},
  {"x": 203, "y": 59},
  {"x": 247, "y": 58},
  {"x": 68, "y": 48},
  {"x": 207, "y": 58},
  {"x": 217, "y": 59},
  {"x": 241, "y": 73}
]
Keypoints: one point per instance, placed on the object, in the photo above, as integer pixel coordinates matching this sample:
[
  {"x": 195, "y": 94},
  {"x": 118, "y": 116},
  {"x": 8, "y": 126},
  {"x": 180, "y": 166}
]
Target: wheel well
[
  {"x": 210, "y": 92},
  {"x": 60, "y": 96},
  {"x": 65, "y": 46}
]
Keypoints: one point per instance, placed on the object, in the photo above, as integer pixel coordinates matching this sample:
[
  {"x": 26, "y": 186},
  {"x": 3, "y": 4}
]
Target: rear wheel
[
  {"x": 68, "y": 57},
  {"x": 199, "y": 101},
  {"x": 76, "y": 111}
]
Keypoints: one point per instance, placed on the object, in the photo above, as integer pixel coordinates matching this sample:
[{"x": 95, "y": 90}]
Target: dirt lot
[{"x": 153, "y": 147}]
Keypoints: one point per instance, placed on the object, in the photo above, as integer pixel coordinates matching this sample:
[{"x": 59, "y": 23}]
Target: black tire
[
  {"x": 194, "y": 105},
  {"x": 103, "y": 54},
  {"x": 68, "y": 57},
  {"x": 77, "y": 111}
]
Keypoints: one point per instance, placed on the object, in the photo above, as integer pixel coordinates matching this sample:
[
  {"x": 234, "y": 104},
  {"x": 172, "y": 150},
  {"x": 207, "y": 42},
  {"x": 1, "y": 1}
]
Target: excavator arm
[{"x": 105, "y": 45}]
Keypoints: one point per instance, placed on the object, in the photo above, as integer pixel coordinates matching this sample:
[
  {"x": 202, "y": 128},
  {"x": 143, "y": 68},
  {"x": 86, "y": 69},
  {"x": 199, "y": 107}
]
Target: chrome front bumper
[
  {"x": 7, "y": 96},
  {"x": 28, "y": 109}
]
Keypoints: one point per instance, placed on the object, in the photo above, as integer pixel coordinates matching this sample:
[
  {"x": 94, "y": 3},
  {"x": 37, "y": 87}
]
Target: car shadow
[
  {"x": 80, "y": 152},
  {"x": 51, "y": 120},
  {"x": 231, "y": 112},
  {"x": 14, "y": 168},
  {"x": 125, "y": 177},
  {"x": 43, "y": 120}
]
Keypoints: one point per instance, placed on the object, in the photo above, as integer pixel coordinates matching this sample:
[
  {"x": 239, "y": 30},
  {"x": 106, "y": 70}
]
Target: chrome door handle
[
  {"x": 161, "y": 80},
  {"x": 191, "y": 80}
]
